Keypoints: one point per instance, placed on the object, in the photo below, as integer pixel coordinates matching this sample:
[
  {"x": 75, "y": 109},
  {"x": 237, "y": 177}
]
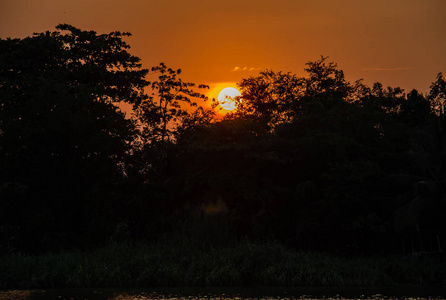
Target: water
[{"x": 227, "y": 294}]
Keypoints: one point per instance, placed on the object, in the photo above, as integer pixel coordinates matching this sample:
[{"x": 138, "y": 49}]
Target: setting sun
[{"x": 226, "y": 98}]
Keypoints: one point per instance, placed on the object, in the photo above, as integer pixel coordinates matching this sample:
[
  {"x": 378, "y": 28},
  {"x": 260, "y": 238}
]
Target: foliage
[
  {"x": 315, "y": 157},
  {"x": 64, "y": 142},
  {"x": 248, "y": 264},
  {"x": 160, "y": 112},
  {"x": 437, "y": 94},
  {"x": 316, "y": 163},
  {"x": 270, "y": 97},
  {"x": 275, "y": 97}
]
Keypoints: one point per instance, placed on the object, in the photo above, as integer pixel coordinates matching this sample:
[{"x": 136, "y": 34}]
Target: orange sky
[{"x": 397, "y": 42}]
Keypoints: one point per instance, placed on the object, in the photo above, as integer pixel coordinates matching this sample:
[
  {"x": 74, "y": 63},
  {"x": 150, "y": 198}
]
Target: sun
[{"x": 226, "y": 98}]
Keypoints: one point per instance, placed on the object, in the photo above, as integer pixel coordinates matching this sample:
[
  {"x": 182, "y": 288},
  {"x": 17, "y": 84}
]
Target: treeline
[{"x": 316, "y": 163}]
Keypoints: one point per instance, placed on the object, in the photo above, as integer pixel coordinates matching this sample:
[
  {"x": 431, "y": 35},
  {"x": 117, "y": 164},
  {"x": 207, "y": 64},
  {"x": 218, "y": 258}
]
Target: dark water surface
[{"x": 227, "y": 293}]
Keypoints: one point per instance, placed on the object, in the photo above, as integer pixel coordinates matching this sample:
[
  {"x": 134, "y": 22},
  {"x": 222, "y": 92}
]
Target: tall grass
[{"x": 177, "y": 264}]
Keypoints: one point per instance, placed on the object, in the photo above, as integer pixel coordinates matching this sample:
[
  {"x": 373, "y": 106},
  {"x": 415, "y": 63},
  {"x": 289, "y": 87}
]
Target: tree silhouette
[
  {"x": 271, "y": 98},
  {"x": 307, "y": 157},
  {"x": 64, "y": 141},
  {"x": 168, "y": 104},
  {"x": 315, "y": 162},
  {"x": 437, "y": 94}
]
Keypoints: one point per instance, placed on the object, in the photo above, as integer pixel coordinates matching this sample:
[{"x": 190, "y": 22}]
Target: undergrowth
[{"x": 177, "y": 264}]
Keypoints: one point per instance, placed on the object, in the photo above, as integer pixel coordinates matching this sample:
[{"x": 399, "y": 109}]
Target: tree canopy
[
  {"x": 314, "y": 162},
  {"x": 63, "y": 140}
]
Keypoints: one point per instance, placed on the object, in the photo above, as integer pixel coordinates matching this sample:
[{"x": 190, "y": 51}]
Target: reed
[{"x": 172, "y": 263}]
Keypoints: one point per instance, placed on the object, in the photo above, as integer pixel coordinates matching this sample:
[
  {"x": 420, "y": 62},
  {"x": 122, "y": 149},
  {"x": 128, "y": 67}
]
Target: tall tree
[
  {"x": 437, "y": 94},
  {"x": 64, "y": 141},
  {"x": 273, "y": 98},
  {"x": 170, "y": 102},
  {"x": 170, "y": 109}
]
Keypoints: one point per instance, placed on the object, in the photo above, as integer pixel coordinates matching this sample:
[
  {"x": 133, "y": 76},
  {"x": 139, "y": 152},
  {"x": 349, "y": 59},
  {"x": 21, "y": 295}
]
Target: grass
[{"x": 177, "y": 264}]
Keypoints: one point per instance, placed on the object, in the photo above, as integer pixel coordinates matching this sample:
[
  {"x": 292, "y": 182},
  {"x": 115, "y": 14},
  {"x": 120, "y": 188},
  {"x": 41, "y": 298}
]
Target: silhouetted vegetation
[
  {"x": 246, "y": 264},
  {"x": 313, "y": 163}
]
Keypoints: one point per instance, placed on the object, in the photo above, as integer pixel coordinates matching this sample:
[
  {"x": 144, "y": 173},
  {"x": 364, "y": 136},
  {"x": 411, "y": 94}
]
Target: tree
[
  {"x": 168, "y": 104},
  {"x": 306, "y": 157},
  {"x": 170, "y": 109},
  {"x": 64, "y": 141},
  {"x": 325, "y": 81},
  {"x": 273, "y": 98},
  {"x": 437, "y": 94}
]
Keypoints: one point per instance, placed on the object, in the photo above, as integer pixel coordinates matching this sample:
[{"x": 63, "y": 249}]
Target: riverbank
[
  {"x": 227, "y": 293},
  {"x": 248, "y": 264}
]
